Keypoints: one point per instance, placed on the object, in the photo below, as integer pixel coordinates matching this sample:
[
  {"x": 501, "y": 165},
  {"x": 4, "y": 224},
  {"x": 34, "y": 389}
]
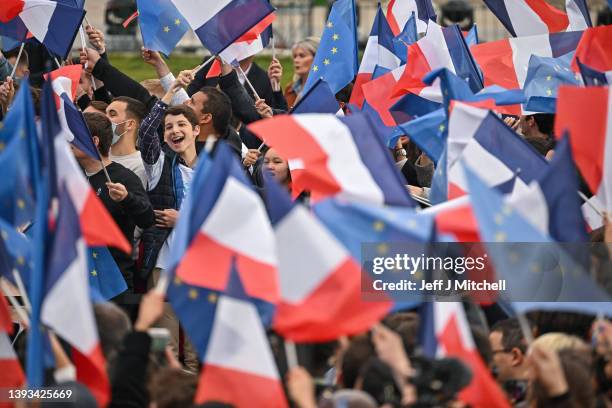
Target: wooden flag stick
[
  {"x": 17, "y": 61},
  {"x": 202, "y": 65}
]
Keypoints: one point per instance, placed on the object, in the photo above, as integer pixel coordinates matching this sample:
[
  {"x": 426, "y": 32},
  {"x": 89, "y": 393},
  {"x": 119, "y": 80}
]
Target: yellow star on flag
[
  {"x": 326, "y": 61},
  {"x": 441, "y": 128},
  {"x": 378, "y": 226},
  {"x": 549, "y": 92},
  {"x": 2, "y": 146},
  {"x": 500, "y": 237},
  {"x": 335, "y": 37},
  {"x": 20, "y": 260},
  {"x": 382, "y": 249},
  {"x": 549, "y": 78},
  {"x": 315, "y": 68},
  {"x": 94, "y": 273},
  {"x": 20, "y": 204},
  {"x": 212, "y": 298},
  {"x": 334, "y": 50},
  {"x": 177, "y": 280},
  {"x": 94, "y": 255},
  {"x": 330, "y": 24},
  {"x": 166, "y": 29},
  {"x": 193, "y": 294},
  {"x": 177, "y": 22}
]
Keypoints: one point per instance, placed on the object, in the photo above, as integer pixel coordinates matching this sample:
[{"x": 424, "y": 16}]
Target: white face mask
[{"x": 116, "y": 137}]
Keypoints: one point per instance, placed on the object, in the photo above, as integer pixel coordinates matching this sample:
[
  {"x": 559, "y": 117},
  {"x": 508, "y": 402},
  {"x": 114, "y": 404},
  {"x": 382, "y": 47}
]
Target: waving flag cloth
[
  {"x": 440, "y": 48},
  {"x": 379, "y": 52},
  {"x": 104, "y": 274},
  {"x": 544, "y": 77},
  {"x": 250, "y": 43},
  {"x": 218, "y": 23},
  {"x": 11, "y": 373},
  {"x": 427, "y": 132},
  {"x": 54, "y": 24},
  {"x": 528, "y": 17},
  {"x": 161, "y": 25},
  {"x": 336, "y": 60},
  {"x": 402, "y": 40},
  {"x": 65, "y": 81},
  {"x": 527, "y": 269},
  {"x": 320, "y": 281},
  {"x": 400, "y": 11},
  {"x": 378, "y": 94},
  {"x": 229, "y": 221},
  {"x": 593, "y": 77},
  {"x": 486, "y": 143},
  {"x": 18, "y": 130},
  {"x": 329, "y": 155},
  {"x": 505, "y": 62},
  {"x": 594, "y": 48},
  {"x": 238, "y": 367},
  {"x": 318, "y": 99},
  {"x": 67, "y": 273},
  {"x": 446, "y": 333},
  {"x": 586, "y": 113}
]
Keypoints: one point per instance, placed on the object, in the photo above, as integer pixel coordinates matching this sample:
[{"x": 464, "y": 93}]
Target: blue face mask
[{"x": 116, "y": 136}]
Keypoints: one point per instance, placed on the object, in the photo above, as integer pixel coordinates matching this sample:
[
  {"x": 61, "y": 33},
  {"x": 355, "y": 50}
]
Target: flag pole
[
  {"x": 261, "y": 146},
  {"x": 246, "y": 80},
  {"x": 275, "y": 84},
  {"x": 162, "y": 283},
  {"x": 202, "y": 65},
  {"x": 590, "y": 204},
  {"x": 524, "y": 324},
  {"x": 83, "y": 46},
  {"x": 291, "y": 354},
  {"x": 17, "y": 61}
]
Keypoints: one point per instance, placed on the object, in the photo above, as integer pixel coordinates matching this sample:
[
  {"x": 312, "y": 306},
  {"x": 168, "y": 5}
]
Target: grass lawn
[{"x": 136, "y": 68}]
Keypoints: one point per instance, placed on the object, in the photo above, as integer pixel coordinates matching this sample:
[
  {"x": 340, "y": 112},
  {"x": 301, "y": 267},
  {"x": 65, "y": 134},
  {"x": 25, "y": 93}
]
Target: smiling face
[
  {"x": 302, "y": 60},
  {"x": 179, "y": 133}
]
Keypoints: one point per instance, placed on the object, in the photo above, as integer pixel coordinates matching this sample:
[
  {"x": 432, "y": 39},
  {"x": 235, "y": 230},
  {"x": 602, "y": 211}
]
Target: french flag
[
  {"x": 505, "y": 62},
  {"x": 378, "y": 94},
  {"x": 53, "y": 24},
  {"x": 482, "y": 141},
  {"x": 67, "y": 273},
  {"x": 586, "y": 114},
  {"x": 65, "y": 81},
  {"x": 320, "y": 282},
  {"x": 399, "y": 12},
  {"x": 229, "y": 221},
  {"x": 11, "y": 373},
  {"x": 446, "y": 333},
  {"x": 330, "y": 156},
  {"x": 219, "y": 23},
  {"x": 439, "y": 48},
  {"x": 594, "y": 49},
  {"x": 379, "y": 51},
  {"x": 98, "y": 227},
  {"x": 238, "y": 367},
  {"x": 532, "y": 17}
]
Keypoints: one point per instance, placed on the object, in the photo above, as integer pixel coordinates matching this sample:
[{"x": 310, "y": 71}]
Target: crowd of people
[{"x": 149, "y": 136}]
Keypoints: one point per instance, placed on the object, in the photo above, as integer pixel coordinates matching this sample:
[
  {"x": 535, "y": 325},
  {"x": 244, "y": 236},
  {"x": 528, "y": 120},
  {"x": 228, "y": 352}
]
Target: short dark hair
[
  {"x": 134, "y": 109},
  {"x": 173, "y": 387},
  {"x": 100, "y": 126},
  {"x": 182, "y": 110},
  {"x": 545, "y": 122},
  {"x": 512, "y": 335},
  {"x": 99, "y": 105},
  {"x": 23, "y": 60},
  {"x": 219, "y": 106}
]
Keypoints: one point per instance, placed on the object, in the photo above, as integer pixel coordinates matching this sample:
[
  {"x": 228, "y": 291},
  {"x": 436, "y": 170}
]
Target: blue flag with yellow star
[
  {"x": 161, "y": 25},
  {"x": 104, "y": 274},
  {"x": 336, "y": 60},
  {"x": 427, "y": 132},
  {"x": 17, "y": 130},
  {"x": 544, "y": 76}
]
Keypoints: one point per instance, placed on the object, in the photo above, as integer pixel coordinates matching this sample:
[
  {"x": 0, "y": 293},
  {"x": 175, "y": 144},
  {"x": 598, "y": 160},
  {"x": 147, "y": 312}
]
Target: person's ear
[
  {"x": 96, "y": 141},
  {"x": 206, "y": 119},
  {"x": 196, "y": 130},
  {"x": 517, "y": 356}
]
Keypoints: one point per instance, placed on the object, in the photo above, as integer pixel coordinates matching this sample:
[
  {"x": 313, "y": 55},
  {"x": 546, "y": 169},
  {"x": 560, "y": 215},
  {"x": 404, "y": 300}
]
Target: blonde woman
[{"x": 303, "y": 54}]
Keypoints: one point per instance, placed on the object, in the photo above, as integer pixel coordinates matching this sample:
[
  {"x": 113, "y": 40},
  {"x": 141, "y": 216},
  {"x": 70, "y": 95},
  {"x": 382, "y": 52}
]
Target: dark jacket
[
  {"x": 129, "y": 388},
  {"x": 134, "y": 210}
]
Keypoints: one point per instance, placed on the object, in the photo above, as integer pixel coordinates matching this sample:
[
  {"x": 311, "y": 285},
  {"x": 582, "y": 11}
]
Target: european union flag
[
  {"x": 161, "y": 25},
  {"x": 318, "y": 99},
  {"x": 104, "y": 274},
  {"x": 428, "y": 132},
  {"x": 405, "y": 38},
  {"x": 15, "y": 253},
  {"x": 16, "y": 132},
  {"x": 336, "y": 60},
  {"x": 534, "y": 267},
  {"x": 591, "y": 76},
  {"x": 544, "y": 76}
]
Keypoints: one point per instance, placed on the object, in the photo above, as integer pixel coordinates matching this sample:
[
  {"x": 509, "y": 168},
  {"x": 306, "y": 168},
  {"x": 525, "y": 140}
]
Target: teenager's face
[
  {"x": 277, "y": 166},
  {"x": 179, "y": 133}
]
